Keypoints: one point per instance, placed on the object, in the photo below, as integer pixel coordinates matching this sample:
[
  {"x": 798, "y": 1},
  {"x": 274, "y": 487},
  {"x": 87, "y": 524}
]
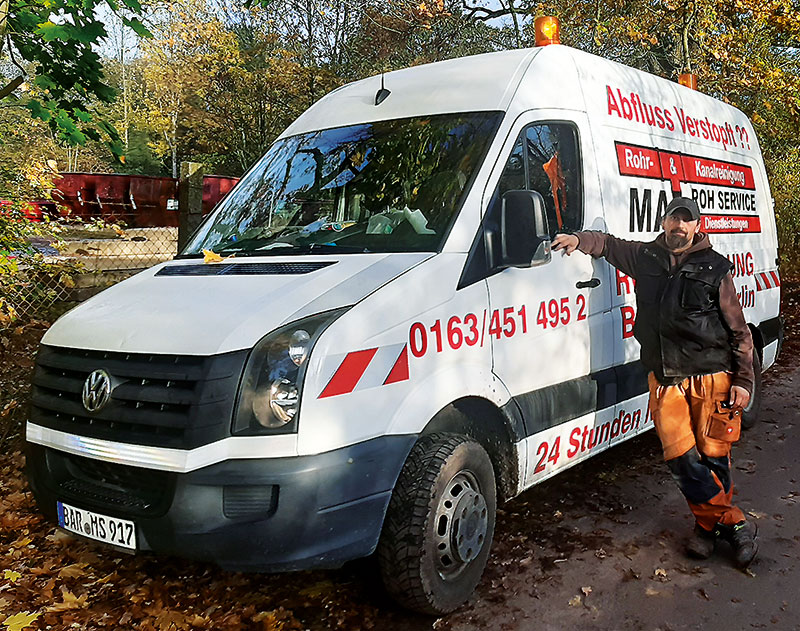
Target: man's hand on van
[{"x": 566, "y": 242}]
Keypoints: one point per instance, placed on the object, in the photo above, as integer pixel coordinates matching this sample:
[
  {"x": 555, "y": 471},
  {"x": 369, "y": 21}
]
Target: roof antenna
[{"x": 381, "y": 95}]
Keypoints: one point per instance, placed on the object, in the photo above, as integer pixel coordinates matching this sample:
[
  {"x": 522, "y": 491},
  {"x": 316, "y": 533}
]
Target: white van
[{"x": 388, "y": 347}]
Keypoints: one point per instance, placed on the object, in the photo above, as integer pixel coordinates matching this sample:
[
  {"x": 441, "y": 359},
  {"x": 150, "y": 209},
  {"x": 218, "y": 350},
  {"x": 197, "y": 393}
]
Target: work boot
[
  {"x": 743, "y": 541},
  {"x": 700, "y": 544}
]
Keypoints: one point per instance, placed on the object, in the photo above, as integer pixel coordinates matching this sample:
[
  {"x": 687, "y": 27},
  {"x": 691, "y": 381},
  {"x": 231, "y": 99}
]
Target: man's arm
[
  {"x": 741, "y": 343},
  {"x": 620, "y": 253}
]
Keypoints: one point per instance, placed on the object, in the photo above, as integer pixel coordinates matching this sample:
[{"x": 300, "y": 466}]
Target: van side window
[
  {"x": 513, "y": 177},
  {"x": 553, "y": 171}
]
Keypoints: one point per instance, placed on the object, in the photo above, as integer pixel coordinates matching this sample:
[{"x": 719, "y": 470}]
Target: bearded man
[{"x": 698, "y": 350}]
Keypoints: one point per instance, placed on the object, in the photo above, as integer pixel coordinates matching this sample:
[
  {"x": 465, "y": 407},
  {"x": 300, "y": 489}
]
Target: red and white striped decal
[
  {"x": 767, "y": 280},
  {"x": 370, "y": 368}
]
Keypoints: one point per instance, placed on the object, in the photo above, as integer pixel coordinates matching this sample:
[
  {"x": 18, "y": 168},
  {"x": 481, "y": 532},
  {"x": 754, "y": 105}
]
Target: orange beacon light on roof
[
  {"x": 688, "y": 79},
  {"x": 547, "y": 30}
]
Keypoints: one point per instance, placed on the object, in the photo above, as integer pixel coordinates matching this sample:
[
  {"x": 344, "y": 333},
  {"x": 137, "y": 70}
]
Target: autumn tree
[
  {"x": 263, "y": 86},
  {"x": 398, "y": 36},
  {"x": 189, "y": 46}
]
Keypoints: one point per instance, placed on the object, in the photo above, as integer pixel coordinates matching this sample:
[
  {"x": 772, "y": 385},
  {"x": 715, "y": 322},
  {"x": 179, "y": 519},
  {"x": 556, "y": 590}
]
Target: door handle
[{"x": 594, "y": 282}]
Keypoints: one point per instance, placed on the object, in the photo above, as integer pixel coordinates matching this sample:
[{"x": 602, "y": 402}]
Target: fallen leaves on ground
[
  {"x": 660, "y": 574},
  {"x": 19, "y": 621}
]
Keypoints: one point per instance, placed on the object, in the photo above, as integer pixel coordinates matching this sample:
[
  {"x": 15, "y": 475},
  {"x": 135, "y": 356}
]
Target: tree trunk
[
  {"x": 173, "y": 143},
  {"x": 3, "y": 22},
  {"x": 12, "y": 85},
  {"x": 125, "y": 95}
]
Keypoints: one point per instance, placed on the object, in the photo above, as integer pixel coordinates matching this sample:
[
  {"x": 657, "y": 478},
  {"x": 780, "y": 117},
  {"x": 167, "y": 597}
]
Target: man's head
[{"x": 681, "y": 222}]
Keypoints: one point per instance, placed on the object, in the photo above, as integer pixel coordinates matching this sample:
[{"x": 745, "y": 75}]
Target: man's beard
[{"x": 677, "y": 241}]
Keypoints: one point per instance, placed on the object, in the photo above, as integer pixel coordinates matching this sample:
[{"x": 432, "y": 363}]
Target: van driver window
[
  {"x": 552, "y": 153},
  {"x": 548, "y": 164},
  {"x": 513, "y": 177}
]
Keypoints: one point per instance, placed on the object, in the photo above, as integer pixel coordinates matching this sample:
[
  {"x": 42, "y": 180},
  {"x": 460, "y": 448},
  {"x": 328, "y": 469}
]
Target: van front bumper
[{"x": 253, "y": 515}]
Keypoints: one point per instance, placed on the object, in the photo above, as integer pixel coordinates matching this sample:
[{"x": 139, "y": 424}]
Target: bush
[
  {"x": 785, "y": 182},
  {"x": 30, "y": 281}
]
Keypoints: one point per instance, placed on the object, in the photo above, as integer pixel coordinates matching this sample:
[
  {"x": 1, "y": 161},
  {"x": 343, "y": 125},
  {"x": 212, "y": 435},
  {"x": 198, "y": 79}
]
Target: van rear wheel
[{"x": 439, "y": 524}]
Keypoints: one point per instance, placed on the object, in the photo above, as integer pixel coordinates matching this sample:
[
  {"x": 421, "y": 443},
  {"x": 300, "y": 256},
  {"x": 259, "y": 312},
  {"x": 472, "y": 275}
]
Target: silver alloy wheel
[{"x": 461, "y": 524}]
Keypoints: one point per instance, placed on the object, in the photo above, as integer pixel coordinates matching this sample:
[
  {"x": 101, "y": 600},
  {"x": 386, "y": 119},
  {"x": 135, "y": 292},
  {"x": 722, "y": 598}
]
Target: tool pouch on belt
[{"x": 722, "y": 429}]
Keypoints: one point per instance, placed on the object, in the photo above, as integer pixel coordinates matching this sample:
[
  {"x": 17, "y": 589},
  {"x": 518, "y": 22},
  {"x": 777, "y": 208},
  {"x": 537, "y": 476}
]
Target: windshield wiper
[
  {"x": 309, "y": 248},
  {"x": 236, "y": 246}
]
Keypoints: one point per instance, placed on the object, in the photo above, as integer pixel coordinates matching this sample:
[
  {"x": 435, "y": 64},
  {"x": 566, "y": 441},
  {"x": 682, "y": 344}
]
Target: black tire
[
  {"x": 751, "y": 412},
  {"x": 439, "y": 524}
]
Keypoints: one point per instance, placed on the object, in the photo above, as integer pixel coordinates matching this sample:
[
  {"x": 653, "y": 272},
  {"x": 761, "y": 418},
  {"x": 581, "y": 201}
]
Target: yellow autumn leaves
[
  {"x": 19, "y": 621},
  {"x": 209, "y": 256}
]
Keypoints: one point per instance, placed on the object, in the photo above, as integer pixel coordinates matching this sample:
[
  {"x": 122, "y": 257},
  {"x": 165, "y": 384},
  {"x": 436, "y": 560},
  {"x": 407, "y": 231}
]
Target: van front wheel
[{"x": 439, "y": 524}]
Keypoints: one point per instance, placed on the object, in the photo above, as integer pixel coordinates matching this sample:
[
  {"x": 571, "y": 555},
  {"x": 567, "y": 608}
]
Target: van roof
[
  {"x": 560, "y": 77},
  {"x": 469, "y": 84}
]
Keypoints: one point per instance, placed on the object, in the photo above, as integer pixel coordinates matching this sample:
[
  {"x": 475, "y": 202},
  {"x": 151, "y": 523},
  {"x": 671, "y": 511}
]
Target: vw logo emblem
[{"x": 96, "y": 390}]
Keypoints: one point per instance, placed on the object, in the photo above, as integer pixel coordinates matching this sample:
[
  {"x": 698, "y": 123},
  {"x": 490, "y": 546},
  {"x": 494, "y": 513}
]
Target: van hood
[{"x": 187, "y": 307}]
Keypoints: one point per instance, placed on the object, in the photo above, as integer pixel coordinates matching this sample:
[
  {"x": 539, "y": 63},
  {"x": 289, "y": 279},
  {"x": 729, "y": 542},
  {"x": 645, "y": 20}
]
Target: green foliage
[
  {"x": 15, "y": 230},
  {"x": 785, "y": 179},
  {"x": 30, "y": 283},
  {"x": 55, "y": 42},
  {"x": 139, "y": 156}
]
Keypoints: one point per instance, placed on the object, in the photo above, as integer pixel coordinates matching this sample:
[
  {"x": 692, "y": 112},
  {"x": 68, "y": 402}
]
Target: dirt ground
[{"x": 599, "y": 547}]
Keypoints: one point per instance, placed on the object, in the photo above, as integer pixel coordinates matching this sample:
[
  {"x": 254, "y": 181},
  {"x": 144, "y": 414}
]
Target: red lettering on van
[
  {"x": 628, "y": 320},
  {"x": 625, "y": 284},
  {"x": 613, "y": 108}
]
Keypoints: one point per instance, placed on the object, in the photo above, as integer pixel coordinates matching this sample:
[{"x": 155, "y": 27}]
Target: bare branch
[
  {"x": 14, "y": 61},
  {"x": 11, "y": 86},
  {"x": 483, "y": 14},
  {"x": 513, "y": 11},
  {"x": 687, "y": 23}
]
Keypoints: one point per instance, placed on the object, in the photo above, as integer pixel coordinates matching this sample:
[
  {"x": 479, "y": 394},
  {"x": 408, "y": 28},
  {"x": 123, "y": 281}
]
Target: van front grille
[
  {"x": 105, "y": 486},
  {"x": 178, "y": 401}
]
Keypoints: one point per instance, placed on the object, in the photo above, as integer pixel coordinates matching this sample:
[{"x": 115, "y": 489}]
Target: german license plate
[{"x": 111, "y": 530}]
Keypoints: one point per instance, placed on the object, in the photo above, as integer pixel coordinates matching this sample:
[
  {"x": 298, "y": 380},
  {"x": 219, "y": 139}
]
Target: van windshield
[{"x": 389, "y": 186}]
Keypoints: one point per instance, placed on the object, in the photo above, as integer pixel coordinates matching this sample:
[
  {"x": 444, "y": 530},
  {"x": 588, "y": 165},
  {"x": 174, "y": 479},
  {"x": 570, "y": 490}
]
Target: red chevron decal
[
  {"x": 346, "y": 377},
  {"x": 399, "y": 371}
]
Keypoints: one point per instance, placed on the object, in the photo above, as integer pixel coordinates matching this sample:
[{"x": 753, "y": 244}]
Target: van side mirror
[{"x": 524, "y": 234}]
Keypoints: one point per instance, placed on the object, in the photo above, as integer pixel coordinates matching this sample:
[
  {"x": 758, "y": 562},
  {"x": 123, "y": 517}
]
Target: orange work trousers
[{"x": 697, "y": 432}]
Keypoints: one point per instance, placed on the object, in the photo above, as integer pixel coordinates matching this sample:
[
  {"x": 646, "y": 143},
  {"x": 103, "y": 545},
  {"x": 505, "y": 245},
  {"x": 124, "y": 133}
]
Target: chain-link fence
[
  {"x": 121, "y": 249},
  {"x": 76, "y": 263},
  {"x": 106, "y": 228}
]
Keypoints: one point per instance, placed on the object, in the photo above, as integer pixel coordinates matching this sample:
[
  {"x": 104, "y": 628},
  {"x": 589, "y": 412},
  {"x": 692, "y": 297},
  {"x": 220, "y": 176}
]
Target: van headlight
[{"x": 269, "y": 396}]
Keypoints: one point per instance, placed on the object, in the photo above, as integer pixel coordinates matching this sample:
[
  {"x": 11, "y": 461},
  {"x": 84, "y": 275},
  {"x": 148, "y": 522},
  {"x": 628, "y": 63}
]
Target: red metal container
[{"x": 139, "y": 201}]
